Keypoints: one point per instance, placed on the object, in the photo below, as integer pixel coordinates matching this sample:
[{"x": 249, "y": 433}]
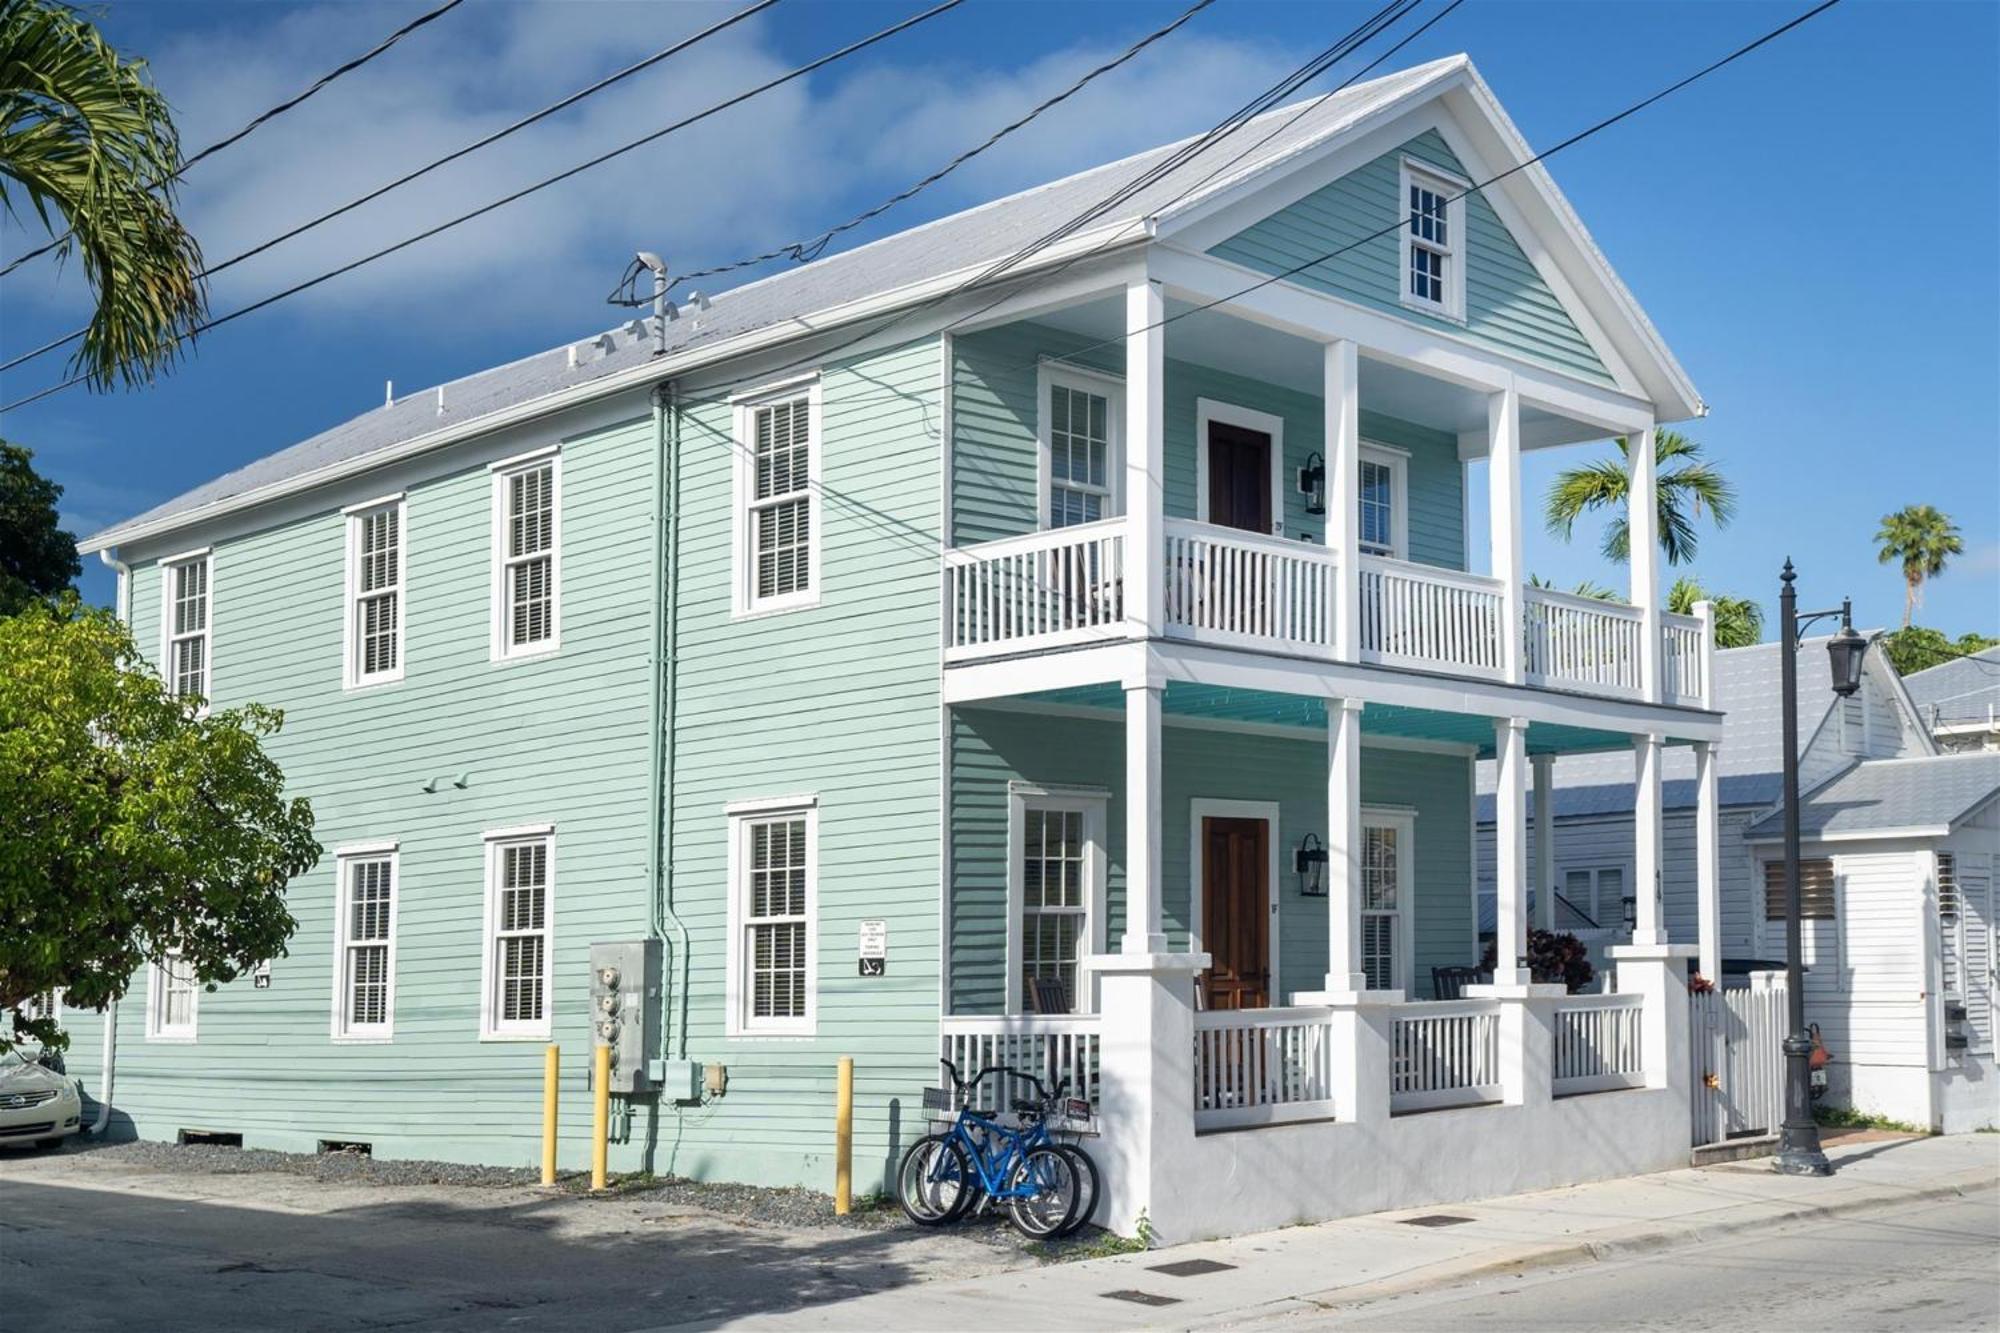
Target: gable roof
[
  {"x": 871, "y": 279},
  {"x": 1924, "y": 797},
  {"x": 1954, "y": 693}
]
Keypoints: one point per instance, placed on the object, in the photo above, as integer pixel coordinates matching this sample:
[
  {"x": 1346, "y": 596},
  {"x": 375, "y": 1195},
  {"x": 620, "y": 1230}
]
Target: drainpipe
[
  {"x": 664, "y": 601},
  {"x": 108, "y": 1060}
]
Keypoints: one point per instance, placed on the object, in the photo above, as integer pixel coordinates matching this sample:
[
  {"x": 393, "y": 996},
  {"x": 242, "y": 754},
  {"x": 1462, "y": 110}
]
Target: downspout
[
  {"x": 665, "y": 602},
  {"x": 108, "y": 1061}
]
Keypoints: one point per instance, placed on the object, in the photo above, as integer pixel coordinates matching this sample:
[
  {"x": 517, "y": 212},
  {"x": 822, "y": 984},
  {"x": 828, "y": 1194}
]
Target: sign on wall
[{"x": 874, "y": 948}]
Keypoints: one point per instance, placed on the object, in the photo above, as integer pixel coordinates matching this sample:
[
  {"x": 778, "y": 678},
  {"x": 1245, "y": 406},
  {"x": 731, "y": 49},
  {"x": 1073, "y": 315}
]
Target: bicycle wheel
[
  {"x": 934, "y": 1181},
  {"x": 1043, "y": 1192},
  {"x": 1087, "y": 1185}
]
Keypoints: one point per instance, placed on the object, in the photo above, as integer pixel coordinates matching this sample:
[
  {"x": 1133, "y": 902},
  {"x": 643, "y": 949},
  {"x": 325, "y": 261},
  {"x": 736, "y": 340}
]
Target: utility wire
[
  {"x": 274, "y": 112},
  {"x": 429, "y": 167},
  {"x": 801, "y": 71}
]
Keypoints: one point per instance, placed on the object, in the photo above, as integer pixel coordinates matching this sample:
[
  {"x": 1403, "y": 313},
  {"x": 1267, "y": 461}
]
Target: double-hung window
[
  {"x": 520, "y": 924},
  {"x": 184, "y": 603},
  {"x": 1386, "y": 890},
  {"x": 777, "y": 478},
  {"x": 1433, "y": 246},
  {"x": 527, "y": 527},
  {"x": 364, "y": 1001},
  {"x": 170, "y": 999},
  {"x": 377, "y": 539},
  {"x": 1055, "y": 885},
  {"x": 773, "y": 957},
  {"x": 1382, "y": 502},
  {"x": 1080, "y": 422},
  {"x": 1596, "y": 892}
]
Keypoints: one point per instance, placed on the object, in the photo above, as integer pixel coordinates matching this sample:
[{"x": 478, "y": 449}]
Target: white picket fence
[
  {"x": 1262, "y": 1067},
  {"x": 1737, "y": 1060},
  {"x": 1054, "y": 1048},
  {"x": 1243, "y": 588},
  {"x": 1581, "y": 642},
  {"x": 1599, "y": 1044},
  {"x": 1444, "y": 1053},
  {"x": 1043, "y": 590},
  {"x": 1424, "y": 616}
]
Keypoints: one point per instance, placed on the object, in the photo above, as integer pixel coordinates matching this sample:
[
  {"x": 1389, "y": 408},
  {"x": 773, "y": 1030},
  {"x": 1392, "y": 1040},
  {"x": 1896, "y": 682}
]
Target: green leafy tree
[
  {"x": 37, "y": 558},
  {"x": 1685, "y": 486},
  {"x": 135, "y": 825},
  {"x": 1921, "y": 540},
  {"x": 1739, "y": 622},
  {"x": 1915, "y": 648},
  {"x": 87, "y": 145}
]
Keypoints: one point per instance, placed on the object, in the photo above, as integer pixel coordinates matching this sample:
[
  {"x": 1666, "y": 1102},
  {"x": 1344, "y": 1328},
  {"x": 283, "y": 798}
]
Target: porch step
[{"x": 1736, "y": 1150}]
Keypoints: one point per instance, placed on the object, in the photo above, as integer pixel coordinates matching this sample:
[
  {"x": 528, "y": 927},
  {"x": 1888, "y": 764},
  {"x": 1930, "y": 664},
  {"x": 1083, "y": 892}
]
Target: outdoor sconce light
[
  {"x": 1310, "y": 862},
  {"x": 1845, "y": 651},
  {"x": 1312, "y": 483}
]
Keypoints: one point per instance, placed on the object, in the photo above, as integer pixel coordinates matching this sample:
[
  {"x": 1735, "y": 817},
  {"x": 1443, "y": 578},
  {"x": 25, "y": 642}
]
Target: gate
[{"x": 1737, "y": 1059}]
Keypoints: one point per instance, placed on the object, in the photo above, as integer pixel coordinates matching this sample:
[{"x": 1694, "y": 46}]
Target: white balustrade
[
  {"x": 1444, "y": 1053},
  {"x": 1042, "y": 590},
  {"x": 1423, "y": 616},
  {"x": 1056, "y": 1048},
  {"x": 1232, "y": 587},
  {"x": 1262, "y": 1067},
  {"x": 1682, "y": 659},
  {"x": 1582, "y": 643},
  {"x": 1599, "y": 1044}
]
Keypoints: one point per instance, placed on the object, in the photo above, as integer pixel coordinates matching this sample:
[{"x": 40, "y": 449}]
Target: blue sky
[{"x": 1816, "y": 230}]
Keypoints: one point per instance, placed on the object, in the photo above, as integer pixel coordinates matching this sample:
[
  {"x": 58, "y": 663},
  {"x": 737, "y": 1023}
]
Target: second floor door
[{"x": 1239, "y": 477}]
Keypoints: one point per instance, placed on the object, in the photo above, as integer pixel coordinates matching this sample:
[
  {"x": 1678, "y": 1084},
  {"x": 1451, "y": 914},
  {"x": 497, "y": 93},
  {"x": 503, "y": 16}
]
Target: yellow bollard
[
  {"x": 551, "y": 1076},
  {"x": 843, "y": 1137},
  {"x": 600, "y": 1116}
]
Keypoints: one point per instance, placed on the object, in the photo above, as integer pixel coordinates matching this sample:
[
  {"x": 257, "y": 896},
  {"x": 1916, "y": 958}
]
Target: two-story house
[{"x": 1072, "y": 598}]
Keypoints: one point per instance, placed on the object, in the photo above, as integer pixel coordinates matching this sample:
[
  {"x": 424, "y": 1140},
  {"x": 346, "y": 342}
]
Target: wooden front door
[
  {"x": 1236, "y": 912},
  {"x": 1239, "y": 477}
]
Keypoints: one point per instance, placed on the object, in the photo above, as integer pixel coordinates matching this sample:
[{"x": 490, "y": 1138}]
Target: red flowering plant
[{"x": 1553, "y": 957}]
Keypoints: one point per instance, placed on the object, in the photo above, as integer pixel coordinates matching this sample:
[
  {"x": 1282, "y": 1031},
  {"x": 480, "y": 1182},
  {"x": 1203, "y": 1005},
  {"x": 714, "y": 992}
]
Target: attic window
[{"x": 1433, "y": 243}]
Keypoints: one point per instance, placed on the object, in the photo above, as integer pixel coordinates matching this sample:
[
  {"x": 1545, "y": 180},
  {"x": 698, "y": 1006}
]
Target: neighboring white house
[{"x": 1959, "y": 701}]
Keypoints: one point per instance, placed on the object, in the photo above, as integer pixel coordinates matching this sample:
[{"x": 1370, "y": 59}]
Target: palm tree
[
  {"x": 87, "y": 143},
  {"x": 1683, "y": 493},
  {"x": 1739, "y": 622},
  {"x": 1922, "y": 539}
]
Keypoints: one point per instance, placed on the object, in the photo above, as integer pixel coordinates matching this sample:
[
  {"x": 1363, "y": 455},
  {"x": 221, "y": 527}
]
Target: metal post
[
  {"x": 600, "y": 1116},
  {"x": 1799, "y": 1152},
  {"x": 551, "y": 1080}
]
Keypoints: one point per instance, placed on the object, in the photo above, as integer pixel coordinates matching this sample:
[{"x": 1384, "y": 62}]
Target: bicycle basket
[{"x": 937, "y": 1099}]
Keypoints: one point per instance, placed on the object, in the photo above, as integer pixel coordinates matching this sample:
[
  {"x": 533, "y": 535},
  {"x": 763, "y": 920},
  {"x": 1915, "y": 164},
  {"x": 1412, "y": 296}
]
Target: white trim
[
  {"x": 498, "y": 610},
  {"x": 1094, "y": 806},
  {"x": 1397, "y": 461},
  {"x": 1313, "y": 735},
  {"x": 744, "y": 601},
  {"x": 737, "y": 1022},
  {"x": 787, "y": 387},
  {"x": 525, "y": 457},
  {"x": 379, "y": 502},
  {"x": 491, "y": 1026},
  {"x": 1857, "y": 835},
  {"x": 1403, "y": 820},
  {"x": 1051, "y": 373},
  {"x": 1413, "y": 172},
  {"x": 1628, "y": 880},
  {"x": 156, "y": 1028},
  {"x": 1210, "y": 410},
  {"x": 1111, "y": 379},
  {"x": 182, "y": 557},
  {"x": 378, "y": 848},
  {"x": 757, "y": 805},
  {"x": 352, "y": 678},
  {"x": 1205, "y": 807},
  {"x": 169, "y": 570},
  {"x": 341, "y": 1027}
]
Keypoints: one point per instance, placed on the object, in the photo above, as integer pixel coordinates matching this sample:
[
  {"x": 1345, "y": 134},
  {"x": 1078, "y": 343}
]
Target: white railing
[
  {"x": 1599, "y": 1044},
  {"x": 1444, "y": 1053},
  {"x": 1244, "y": 588},
  {"x": 1582, "y": 643},
  {"x": 1682, "y": 660},
  {"x": 1054, "y": 1048},
  {"x": 1419, "y": 615},
  {"x": 1262, "y": 1067},
  {"x": 1737, "y": 1059},
  {"x": 1042, "y": 590}
]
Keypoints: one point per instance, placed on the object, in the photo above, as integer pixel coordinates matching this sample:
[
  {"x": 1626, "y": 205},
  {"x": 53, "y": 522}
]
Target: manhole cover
[
  {"x": 1191, "y": 1267},
  {"x": 1141, "y": 1297},
  {"x": 1433, "y": 1220}
]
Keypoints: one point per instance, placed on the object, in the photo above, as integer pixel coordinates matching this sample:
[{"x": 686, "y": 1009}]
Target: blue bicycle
[{"x": 1048, "y": 1188}]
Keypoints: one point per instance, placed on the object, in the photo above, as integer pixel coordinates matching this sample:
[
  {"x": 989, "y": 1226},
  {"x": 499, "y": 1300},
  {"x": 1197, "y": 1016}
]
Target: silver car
[{"x": 37, "y": 1105}]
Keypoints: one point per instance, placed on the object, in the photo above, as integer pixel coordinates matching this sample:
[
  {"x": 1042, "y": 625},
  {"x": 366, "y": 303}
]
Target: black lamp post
[{"x": 1799, "y": 1153}]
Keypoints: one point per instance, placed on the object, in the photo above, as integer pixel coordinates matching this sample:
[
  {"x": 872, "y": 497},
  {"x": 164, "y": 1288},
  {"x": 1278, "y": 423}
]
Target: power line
[
  {"x": 799, "y": 72},
  {"x": 352, "y": 204},
  {"x": 256, "y": 121}
]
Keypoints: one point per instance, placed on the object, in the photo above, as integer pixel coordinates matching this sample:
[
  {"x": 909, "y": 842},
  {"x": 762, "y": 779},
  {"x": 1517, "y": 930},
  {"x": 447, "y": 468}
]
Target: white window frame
[
  {"x": 1398, "y": 463},
  {"x": 1050, "y": 375},
  {"x": 170, "y": 569},
  {"x": 1404, "y": 821},
  {"x": 352, "y": 675},
  {"x": 1425, "y": 176},
  {"x": 504, "y": 473},
  {"x": 745, "y": 602},
  {"x": 742, "y": 816},
  {"x": 33, "y": 1007},
  {"x": 157, "y": 1027},
  {"x": 343, "y": 1029},
  {"x": 1597, "y": 870},
  {"x": 1093, "y": 805},
  {"x": 492, "y": 1027},
  {"x": 1210, "y": 410}
]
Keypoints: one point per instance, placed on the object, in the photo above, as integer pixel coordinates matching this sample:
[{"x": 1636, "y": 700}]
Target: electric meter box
[{"x": 625, "y": 1009}]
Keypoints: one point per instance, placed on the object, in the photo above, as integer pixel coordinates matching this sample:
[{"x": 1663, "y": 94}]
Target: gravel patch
[{"x": 334, "y": 1168}]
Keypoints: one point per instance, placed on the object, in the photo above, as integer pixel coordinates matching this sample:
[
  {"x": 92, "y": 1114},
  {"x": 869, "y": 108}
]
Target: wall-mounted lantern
[
  {"x": 1310, "y": 862},
  {"x": 1312, "y": 483}
]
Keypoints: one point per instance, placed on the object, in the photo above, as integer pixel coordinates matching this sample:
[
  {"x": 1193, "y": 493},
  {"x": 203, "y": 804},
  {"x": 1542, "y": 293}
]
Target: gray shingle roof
[
  {"x": 1967, "y": 690},
  {"x": 1881, "y": 795},
  {"x": 934, "y": 250}
]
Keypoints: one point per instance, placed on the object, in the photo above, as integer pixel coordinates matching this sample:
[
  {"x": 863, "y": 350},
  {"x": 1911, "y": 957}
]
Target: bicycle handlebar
[{"x": 964, "y": 1087}]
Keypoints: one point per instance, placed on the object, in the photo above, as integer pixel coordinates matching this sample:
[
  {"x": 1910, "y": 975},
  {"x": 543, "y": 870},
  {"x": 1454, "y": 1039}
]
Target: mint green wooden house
[{"x": 1104, "y": 635}]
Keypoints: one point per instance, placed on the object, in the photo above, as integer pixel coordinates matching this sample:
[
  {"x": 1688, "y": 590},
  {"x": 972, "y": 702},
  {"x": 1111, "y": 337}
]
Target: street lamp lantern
[{"x": 1845, "y": 651}]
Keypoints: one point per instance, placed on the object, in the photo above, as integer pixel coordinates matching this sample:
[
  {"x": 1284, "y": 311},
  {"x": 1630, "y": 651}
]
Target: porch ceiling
[{"x": 1264, "y": 708}]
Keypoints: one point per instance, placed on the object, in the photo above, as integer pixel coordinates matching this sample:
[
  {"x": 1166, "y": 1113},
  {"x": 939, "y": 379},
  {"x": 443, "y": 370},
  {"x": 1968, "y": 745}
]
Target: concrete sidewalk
[{"x": 1306, "y": 1268}]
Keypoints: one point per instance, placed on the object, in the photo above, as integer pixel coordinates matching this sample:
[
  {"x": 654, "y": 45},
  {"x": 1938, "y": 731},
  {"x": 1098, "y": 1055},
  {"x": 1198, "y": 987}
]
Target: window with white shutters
[
  {"x": 520, "y": 917},
  {"x": 1433, "y": 243},
  {"x": 185, "y": 603},
  {"x": 772, "y": 963},
  {"x": 527, "y": 502},
  {"x": 777, "y": 562},
  {"x": 1079, "y": 438},
  {"x": 1055, "y": 868},
  {"x": 365, "y": 950},
  {"x": 171, "y": 1000},
  {"x": 375, "y": 572},
  {"x": 1384, "y": 902}
]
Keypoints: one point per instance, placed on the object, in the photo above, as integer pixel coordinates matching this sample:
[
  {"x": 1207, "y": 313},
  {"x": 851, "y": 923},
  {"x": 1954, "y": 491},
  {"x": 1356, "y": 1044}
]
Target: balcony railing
[
  {"x": 1262, "y": 1067},
  {"x": 1444, "y": 1053},
  {"x": 1424, "y": 616},
  {"x": 1582, "y": 643},
  {"x": 1043, "y": 590},
  {"x": 1242, "y": 588}
]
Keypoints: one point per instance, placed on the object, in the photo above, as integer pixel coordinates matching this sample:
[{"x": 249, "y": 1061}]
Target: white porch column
[
  {"x": 1643, "y": 525},
  {"x": 1545, "y": 842},
  {"x": 1144, "y": 933},
  {"x": 1145, "y": 458},
  {"x": 1343, "y": 493},
  {"x": 1647, "y": 926},
  {"x": 1510, "y": 837},
  {"x": 1708, "y": 860},
  {"x": 1503, "y": 456},
  {"x": 1343, "y": 847}
]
